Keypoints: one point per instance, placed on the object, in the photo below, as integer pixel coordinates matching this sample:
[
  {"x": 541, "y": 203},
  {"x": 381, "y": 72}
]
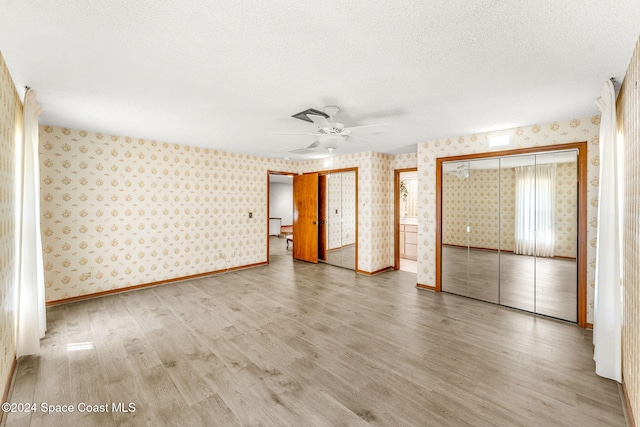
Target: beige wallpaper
[
  {"x": 528, "y": 136},
  {"x": 472, "y": 201},
  {"x": 341, "y": 204},
  {"x": 349, "y": 196},
  {"x": 628, "y": 115},
  {"x": 566, "y": 231},
  {"x": 120, "y": 211},
  {"x": 334, "y": 211},
  {"x": 488, "y": 219},
  {"x": 10, "y": 124}
]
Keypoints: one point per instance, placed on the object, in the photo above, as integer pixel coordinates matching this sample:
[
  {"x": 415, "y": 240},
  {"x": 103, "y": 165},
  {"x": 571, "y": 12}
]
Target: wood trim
[
  {"x": 582, "y": 211},
  {"x": 427, "y": 287},
  {"x": 373, "y": 273},
  {"x": 357, "y": 220},
  {"x": 438, "y": 286},
  {"x": 7, "y": 386},
  {"x": 627, "y": 403},
  {"x": 148, "y": 285},
  {"x": 329, "y": 171},
  {"x": 396, "y": 219},
  {"x": 589, "y": 326},
  {"x": 582, "y": 234},
  {"x": 517, "y": 151},
  {"x": 270, "y": 172}
]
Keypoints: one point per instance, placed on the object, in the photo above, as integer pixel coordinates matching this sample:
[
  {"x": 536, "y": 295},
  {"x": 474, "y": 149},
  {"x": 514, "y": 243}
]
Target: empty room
[{"x": 346, "y": 213}]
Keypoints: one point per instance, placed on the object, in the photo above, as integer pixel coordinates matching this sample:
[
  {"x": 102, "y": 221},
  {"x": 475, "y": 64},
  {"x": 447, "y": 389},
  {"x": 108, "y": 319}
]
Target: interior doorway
[
  {"x": 325, "y": 213},
  {"x": 406, "y": 220},
  {"x": 280, "y": 213}
]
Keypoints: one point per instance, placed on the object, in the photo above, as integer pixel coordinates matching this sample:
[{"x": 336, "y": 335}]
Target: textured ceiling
[{"x": 224, "y": 74}]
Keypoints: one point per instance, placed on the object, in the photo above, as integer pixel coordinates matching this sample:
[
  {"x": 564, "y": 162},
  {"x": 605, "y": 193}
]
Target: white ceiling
[{"x": 223, "y": 74}]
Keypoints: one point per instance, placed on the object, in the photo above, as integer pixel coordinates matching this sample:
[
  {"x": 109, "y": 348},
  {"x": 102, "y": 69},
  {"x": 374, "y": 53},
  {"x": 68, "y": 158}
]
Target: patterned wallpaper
[
  {"x": 488, "y": 219},
  {"x": 472, "y": 201},
  {"x": 10, "y": 123},
  {"x": 628, "y": 115},
  {"x": 120, "y": 211},
  {"x": 566, "y": 210},
  {"x": 527, "y": 136},
  {"x": 334, "y": 211},
  {"x": 341, "y": 213}
]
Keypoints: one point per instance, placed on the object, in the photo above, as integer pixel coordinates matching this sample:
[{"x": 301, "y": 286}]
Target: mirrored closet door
[
  {"x": 509, "y": 231},
  {"x": 337, "y": 205}
]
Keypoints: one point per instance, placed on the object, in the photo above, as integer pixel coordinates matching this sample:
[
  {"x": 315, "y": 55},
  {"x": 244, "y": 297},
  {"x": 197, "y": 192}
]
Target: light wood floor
[
  {"x": 541, "y": 285},
  {"x": 296, "y": 344}
]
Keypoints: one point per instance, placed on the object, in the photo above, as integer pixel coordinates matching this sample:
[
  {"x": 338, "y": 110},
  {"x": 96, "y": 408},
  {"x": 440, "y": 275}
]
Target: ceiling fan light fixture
[{"x": 330, "y": 140}]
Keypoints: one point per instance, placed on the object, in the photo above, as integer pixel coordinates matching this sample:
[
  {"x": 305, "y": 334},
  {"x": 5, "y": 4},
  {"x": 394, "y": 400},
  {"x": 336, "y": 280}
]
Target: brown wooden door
[
  {"x": 322, "y": 217},
  {"x": 305, "y": 217}
]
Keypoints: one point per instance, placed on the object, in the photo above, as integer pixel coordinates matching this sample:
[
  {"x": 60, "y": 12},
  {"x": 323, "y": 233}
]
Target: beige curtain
[
  {"x": 607, "y": 316},
  {"x": 31, "y": 299},
  {"x": 535, "y": 210}
]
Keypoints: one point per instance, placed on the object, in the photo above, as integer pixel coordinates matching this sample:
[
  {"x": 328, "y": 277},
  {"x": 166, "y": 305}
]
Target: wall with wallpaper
[
  {"x": 10, "y": 125},
  {"x": 120, "y": 211},
  {"x": 490, "y": 221},
  {"x": 628, "y": 114},
  {"x": 555, "y": 133},
  {"x": 341, "y": 209}
]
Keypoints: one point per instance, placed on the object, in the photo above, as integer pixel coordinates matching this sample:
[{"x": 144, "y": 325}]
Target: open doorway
[
  {"x": 280, "y": 209},
  {"x": 406, "y": 220}
]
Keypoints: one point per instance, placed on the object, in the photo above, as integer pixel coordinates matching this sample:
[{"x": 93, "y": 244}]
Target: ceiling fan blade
[
  {"x": 359, "y": 128},
  {"x": 301, "y": 151},
  {"x": 321, "y": 121},
  {"x": 361, "y": 138},
  {"x": 314, "y": 144},
  {"x": 291, "y": 133}
]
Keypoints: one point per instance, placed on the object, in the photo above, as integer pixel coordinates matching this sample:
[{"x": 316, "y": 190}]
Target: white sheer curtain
[
  {"x": 31, "y": 300},
  {"x": 607, "y": 318},
  {"x": 535, "y": 210}
]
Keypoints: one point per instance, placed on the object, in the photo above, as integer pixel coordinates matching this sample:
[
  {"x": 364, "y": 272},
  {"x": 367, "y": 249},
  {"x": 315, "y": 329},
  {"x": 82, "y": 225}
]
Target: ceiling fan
[{"x": 328, "y": 134}]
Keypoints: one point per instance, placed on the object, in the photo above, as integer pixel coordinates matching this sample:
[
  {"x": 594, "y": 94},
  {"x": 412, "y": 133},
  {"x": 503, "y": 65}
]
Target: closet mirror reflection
[
  {"x": 509, "y": 231},
  {"x": 337, "y": 218}
]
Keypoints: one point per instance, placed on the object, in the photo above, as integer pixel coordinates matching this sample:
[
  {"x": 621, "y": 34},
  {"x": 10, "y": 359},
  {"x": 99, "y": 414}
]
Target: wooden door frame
[
  {"x": 582, "y": 212},
  {"x": 269, "y": 173},
  {"x": 396, "y": 214},
  {"x": 322, "y": 217}
]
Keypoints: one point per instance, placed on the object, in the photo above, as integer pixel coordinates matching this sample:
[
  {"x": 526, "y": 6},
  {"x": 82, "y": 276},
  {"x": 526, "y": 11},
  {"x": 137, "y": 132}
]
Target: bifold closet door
[
  {"x": 455, "y": 226},
  {"x": 470, "y": 218},
  {"x": 517, "y": 232},
  {"x": 483, "y": 261},
  {"x": 557, "y": 235}
]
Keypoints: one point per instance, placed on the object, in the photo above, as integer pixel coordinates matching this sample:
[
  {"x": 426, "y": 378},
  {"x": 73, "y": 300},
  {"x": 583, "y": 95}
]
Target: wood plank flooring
[
  {"x": 540, "y": 285},
  {"x": 297, "y": 344}
]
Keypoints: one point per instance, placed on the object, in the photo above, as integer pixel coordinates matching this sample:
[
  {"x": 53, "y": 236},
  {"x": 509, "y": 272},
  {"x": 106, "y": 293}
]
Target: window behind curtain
[{"x": 535, "y": 210}]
